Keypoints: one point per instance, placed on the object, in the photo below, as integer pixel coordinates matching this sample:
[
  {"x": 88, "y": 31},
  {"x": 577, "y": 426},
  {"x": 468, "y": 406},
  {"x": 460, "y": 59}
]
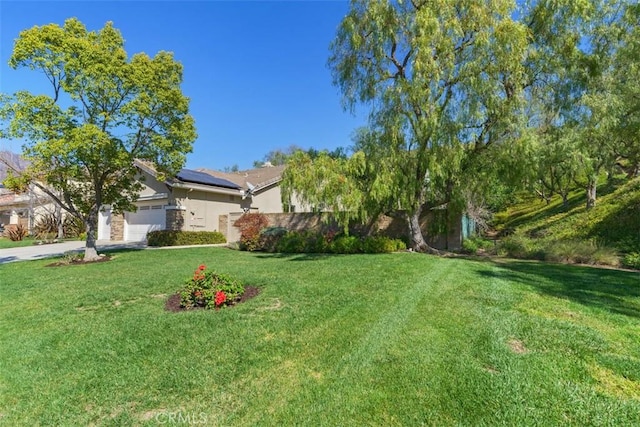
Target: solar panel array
[{"x": 188, "y": 175}]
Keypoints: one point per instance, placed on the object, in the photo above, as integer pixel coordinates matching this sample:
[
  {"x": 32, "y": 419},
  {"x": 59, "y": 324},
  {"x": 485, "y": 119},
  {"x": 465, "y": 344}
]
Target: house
[
  {"x": 24, "y": 208},
  {"x": 194, "y": 200}
]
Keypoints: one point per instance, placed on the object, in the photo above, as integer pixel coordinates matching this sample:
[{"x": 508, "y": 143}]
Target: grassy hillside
[{"x": 613, "y": 223}]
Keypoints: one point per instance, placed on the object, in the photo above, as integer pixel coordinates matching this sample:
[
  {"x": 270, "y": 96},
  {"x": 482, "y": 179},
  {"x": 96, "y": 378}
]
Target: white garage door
[
  {"x": 104, "y": 224},
  {"x": 147, "y": 218}
]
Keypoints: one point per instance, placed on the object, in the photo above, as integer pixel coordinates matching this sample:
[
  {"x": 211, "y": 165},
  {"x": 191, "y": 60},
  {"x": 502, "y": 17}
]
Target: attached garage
[
  {"x": 104, "y": 224},
  {"x": 149, "y": 217}
]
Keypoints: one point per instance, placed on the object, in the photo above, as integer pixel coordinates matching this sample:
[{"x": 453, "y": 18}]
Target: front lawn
[
  {"x": 400, "y": 339},
  {"x": 6, "y": 243}
]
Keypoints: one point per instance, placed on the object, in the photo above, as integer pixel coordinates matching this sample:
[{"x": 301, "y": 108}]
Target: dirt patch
[
  {"x": 491, "y": 369},
  {"x": 74, "y": 261},
  {"x": 173, "y": 303},
  {"x": 517, "y": 346}
]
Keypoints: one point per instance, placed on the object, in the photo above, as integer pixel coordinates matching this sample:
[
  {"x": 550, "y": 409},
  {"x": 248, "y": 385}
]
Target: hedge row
[
  {"x": 276, "y": 239},
  {"x": 182, "y": 238}
]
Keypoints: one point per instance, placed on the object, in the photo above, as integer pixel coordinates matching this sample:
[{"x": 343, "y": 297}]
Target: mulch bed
[
  {"x": 103, "y": 258},
  {"x": 173, "y": 303}
]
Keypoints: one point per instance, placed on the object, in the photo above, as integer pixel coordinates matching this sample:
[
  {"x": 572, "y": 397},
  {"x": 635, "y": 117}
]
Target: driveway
[{"x": 27, "y": 253}]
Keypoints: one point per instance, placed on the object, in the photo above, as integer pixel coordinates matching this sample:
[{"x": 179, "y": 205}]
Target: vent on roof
[{"x": 187, "y": 175}]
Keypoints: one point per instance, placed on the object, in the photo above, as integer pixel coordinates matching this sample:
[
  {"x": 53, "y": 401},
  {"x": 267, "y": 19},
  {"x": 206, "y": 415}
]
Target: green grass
[
  {"x": 6, "y": 243},
  {"x": 613, "y": 222},
  {"x": 399, "y": 339}
]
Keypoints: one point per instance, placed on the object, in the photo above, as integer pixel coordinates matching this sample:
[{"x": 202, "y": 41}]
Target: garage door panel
[{"x": 146, "y": 219}]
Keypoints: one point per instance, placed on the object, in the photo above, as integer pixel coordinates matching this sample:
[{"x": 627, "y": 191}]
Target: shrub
[
  {"x": 269, "y": 238},
  {"x": 470, "y": 246},
  {"x": 516, "y": 246},
  {"x": 250, "y": 225},
  {"x": 310, "y": 242},
  {"x": 16, "y": 233},
  {"x": 580, "y": 252},
  {"x": 73, "y": 227},
  {"x": 632, "y": 260},
  {"x": 346, "y": 245},
  {"x": 209, "y": 289},
  {"x": 294, "y": 242},
  {"x": 181, "y": 238},
  {"x": 474, "y": 244},
  {"x": 382, "y": 244},
  {"x": 46, "y": 226}
]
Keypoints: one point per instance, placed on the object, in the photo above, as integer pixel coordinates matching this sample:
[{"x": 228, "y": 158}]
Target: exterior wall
[
  {"x": 117, "y": 226},
  {"x": 268, "y": 201},
  {"x": 151, "y": 186},
  {"x": 202, "y": 209},
  {"x": 450, "y": 238}
]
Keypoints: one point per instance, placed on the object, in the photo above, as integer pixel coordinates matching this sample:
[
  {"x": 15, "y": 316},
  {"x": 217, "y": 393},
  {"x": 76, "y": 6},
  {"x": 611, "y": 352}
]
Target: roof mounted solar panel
[{"x": 188, "y": 175}]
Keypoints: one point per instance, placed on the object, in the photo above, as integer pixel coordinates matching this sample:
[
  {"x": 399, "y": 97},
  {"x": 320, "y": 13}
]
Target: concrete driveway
[{"x": 27, "y": 253}]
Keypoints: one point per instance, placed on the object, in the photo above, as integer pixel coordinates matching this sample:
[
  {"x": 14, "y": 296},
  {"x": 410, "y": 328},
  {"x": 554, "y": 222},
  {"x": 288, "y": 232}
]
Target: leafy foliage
[
  {"x": 182, "y": 238},
  {"x": 613, "y": 222},
  {"x": 632, "y": 260},
  {"x": 565, "y": 251},
  {"x": 269, "y": 238},
  {"x": 208, "y": 289},
  {"x": 48, "y": 225},
  {"x": 312, "y": 242},
  {"x": 104, "y": 111},
  {"x": 250, "y": 225},
  {"x": 16, "y": 233},
  {"x": 444, "y": 81}
]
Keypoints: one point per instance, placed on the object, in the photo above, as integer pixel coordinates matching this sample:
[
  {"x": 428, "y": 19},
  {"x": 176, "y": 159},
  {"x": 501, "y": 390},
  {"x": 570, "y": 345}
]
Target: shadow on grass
[
  {"x": 612, "y": 290},
  {"x": 7, "y": 259},
  {"x": 296, "y": 257},
  {"x": 116, "y": 250}
]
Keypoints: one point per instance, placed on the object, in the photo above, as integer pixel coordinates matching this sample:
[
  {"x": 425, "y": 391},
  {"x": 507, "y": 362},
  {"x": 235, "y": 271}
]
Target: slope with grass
[
  {"x": 613, "y": 225},
  {"x": 399, "y": 339}
]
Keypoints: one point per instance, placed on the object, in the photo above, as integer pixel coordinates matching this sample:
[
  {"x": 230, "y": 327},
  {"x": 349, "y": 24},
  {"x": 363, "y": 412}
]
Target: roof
[
  {"x": 195, "y": 177},
  {"x": 189, "y": 176},
  {"x": 257, "y": 178}
]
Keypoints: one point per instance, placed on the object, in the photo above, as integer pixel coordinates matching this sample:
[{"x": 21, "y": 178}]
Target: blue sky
[{"x": 255, "y": 71}]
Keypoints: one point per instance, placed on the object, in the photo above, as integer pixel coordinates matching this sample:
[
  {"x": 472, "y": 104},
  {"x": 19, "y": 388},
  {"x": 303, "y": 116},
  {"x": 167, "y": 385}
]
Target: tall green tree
[
  {"x": 573, "y": 45},
  {"x": 443, "y": 81},
  {"x": 104, "y": 110},
  {"x": 615, "y": 107}
]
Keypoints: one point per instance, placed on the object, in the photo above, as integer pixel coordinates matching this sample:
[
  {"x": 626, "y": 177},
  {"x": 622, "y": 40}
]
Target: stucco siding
[
  {"x": 203, "y": 209},
  {"x": 151, "y": 186},
  {"x": 268, "y": 201}
]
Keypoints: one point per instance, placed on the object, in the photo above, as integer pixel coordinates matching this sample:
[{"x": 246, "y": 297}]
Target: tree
[
  {"x": 572, "y": 48},
  {"x": 443, "y": 80},
  {"x": 104, "y": 111},
  {"x": 280, "y": 157},
  {"x": 616, "y": 107}
]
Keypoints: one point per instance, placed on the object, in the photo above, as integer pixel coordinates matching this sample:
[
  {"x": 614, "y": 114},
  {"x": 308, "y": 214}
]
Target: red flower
[
  {"x": 220, "y": 298},
  {"x": 202, "y": 267}
]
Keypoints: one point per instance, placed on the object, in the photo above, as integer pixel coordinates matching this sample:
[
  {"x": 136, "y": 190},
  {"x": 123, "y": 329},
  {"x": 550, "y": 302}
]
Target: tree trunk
[
  {"x": 90, "y": 250},
  {"x": 591, "y": 193},
  {"x": 58, "y": 215},
  {"x": 416, "y": 238},
  {"x": 565, "y": 200}
]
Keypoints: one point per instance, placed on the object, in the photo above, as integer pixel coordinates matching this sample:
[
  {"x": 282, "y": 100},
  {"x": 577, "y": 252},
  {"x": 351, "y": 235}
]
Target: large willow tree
[
  {"x": 104, "y": 110},
  {"x": 443, "y": 80}
]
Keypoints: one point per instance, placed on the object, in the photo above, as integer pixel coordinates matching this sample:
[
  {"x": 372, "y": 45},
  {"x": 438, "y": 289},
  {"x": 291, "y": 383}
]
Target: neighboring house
[
  {"x": 208, "y": 200},
  {"x": 24, "y": 208},
  {"x": 194, "y": 200}
]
